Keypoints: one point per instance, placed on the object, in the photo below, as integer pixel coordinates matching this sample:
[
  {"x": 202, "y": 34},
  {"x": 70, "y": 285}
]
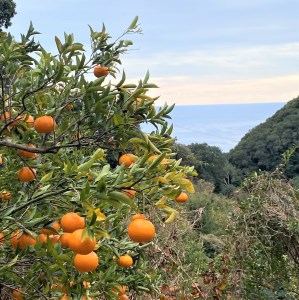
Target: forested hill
[{"x": 261, "y": 148}]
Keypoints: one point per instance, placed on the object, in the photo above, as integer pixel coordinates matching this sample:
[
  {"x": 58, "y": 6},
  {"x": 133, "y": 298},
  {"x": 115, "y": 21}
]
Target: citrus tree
[{"x": 75, "y": 166}]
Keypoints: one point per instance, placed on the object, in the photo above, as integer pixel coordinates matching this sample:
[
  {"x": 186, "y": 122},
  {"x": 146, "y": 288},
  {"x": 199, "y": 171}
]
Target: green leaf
[
  {"x": 58, "y": 44},
  {"x": 103, "y": 173},
  {"x": 121, "y": 197},
  {"x": 133, "y": 24},
  {"x": 47, "y": 177}
]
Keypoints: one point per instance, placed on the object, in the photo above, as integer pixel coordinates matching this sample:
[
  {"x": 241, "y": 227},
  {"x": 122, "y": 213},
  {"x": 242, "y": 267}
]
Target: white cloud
[
  {"x": 225, "y": 62},
  {"x": 192, "y": 91},
  {"x": 256, "y": 74}
]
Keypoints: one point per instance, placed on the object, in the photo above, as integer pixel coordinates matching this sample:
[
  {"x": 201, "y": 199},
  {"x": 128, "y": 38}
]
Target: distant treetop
[{"x": 7, "y": 12}]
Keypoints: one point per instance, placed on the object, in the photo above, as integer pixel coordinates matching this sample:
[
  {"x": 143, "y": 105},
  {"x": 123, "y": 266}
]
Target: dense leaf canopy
[{"x": 263, "y": 146}]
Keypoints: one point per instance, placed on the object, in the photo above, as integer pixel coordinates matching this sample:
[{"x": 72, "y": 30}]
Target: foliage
[
  {"x": 77, "y": 166},
  {"x": 265, "y": 237},
  {"x": 262, "y": 147},
  {"x": 7, "y": 12},
  {"x": 211, "y": 164}
]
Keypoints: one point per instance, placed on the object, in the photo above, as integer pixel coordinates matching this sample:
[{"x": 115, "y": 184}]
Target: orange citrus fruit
[
  {"x": 5, "y": 116},
  {"x": 54, "y": 225},
  {"x": 100, "y": 71},
  {"x": 44, "y": 124},
  {"x": 5, "y": 195},
  {"x": 183, "y": 197},
  {"x": 127, "y": 159},
  {"x": 64, "y": 239},
  {"x": 86, "y": 263},
  {"x": 27, "y": 154},
  {"x": 141, "y": 231},
  {"x": 17, "y": 295},
  {"x": 125, "y": 261},
  {"x": 153, "y": 157},
  {"x": 22, "y": 241},
  {"x": 26, "y": 174},
  {"x": 81, "y": 246},
  {"x": 72, "y": 221},
  {"x": 129, "y": 193},
  {"x": 138, "y": 216},
  {"x": 1, "y": 237}
]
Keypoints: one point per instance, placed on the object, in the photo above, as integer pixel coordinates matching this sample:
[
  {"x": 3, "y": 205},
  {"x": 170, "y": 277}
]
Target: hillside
[{"x": 261, "y": 148}]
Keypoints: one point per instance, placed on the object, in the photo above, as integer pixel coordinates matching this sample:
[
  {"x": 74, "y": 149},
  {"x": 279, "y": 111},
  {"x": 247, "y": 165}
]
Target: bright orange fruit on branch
[
  {"x": 100, "y": 71},
  {"x": 183, "y": 197},
  {"x": 22, "y": 241},
  {"x": 64, "y": 239},
  {"x": 123, "y": 297},
  {"x": 138, "y": 216},
  {"x": 86, "y": 263},
  {"x": 120, "y": 290},
  {"x": 54, "y": 225},
  {"x": 141, "y": 231},
  {"x": 129, "y": 193},
  {"x": 81, "y": 246},
  {"x": 154, "y": 156},
  {"x": 125, "y": 261},
  {"x": 127, "y": 159},
  {"x": 2, "y": 237},
  {"x": 72, "y": 221},
  {"x": 27, "y": 154},
  {"x": 5, "y": 195},
  {"x": 28, "y": 119},
  {"x": 6, "y": 116},
  {"x": 17, "y": 295},
  {"x": 26, "y": 174},
  {"x": 44, "y": 124}
]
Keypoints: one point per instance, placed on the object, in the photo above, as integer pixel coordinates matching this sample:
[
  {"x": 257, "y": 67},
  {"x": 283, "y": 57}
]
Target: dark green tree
[
  {"x": 263, "y": 146},
  {"x": 211, "y": 164},
  {"x": 7, "y": 12}
]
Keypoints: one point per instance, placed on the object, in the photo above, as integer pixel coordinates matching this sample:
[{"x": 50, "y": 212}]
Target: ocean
[{"x": 217, "y": 125}]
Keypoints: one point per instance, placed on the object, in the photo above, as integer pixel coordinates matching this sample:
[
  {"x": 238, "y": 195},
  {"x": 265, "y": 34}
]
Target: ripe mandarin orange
[
  {"x": 127, "y": 159},
  {"x": 44, "y": 124},
  {"x": 26, "y": 174},
  {"x": 17, "y": 295},
  {"x": 100, "y": 71},
  {"x": 42, "y": 238},
  {"x": 64, "y": 239},
  {"x": 5, "y": 195},
  {"x": 86, "y": 284},
  {"x": 22, "y": 241},
  {"x": 125, "y": 261},
  {"x": 141, "y": 231},
  {"x": 183, "y": 197},
  {"x": 53, "y": 225},
  {"x": 129, "y": 193},
  {"x": 86, "y": 263},
  {"x": 1, "y": 159},
  {"x": 138, "y": 216},
  {"x": 54, "y": 238},
  {"x": 27, "y": 154},
  {"x": 72, "y": 221},
  {"x": 153, "y": 157},
  {"x": 28, "y": 119},
  {"x": 123, "y": 297},
  {"x": 81, "y": 246},
  {"x": 5, "y": 116},
  {"x": 1, "y": 237}
]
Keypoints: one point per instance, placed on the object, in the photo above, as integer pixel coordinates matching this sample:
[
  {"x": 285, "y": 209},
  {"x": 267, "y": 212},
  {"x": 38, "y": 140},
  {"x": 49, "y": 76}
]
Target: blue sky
[{"x": 198, "y": 52}]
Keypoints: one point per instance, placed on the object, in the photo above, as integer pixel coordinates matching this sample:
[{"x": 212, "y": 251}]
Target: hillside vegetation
[{"x": 262, "y": 147}]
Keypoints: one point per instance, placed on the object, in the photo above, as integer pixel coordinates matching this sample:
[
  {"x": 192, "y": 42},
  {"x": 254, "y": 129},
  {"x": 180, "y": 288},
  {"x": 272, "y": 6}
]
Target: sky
[{"x": 197, "y": 51}]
